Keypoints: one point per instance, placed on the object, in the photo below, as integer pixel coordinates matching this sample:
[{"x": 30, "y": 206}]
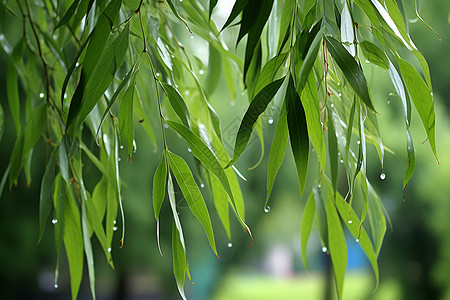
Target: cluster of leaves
[{"x": 92, "y": 53}]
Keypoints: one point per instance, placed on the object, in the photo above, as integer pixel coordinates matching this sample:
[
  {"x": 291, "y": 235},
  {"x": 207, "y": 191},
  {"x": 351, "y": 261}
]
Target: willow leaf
[
  {"x": 126, "y": 126},
  {"x": 256, "y": 108},
  {"x": 374, "y": 54},
  {"x": 179, "y": 260},
  {"x": 46, "y": 194},
  {"x": 192, "y": 195},
  {"x": 238, "y": 7},
  {"x": 298, "y": 133},
  {"x": 422, "y": 99},
  {"x": 332, "y": 150},
  {"x": 177, "y": 103},
  {"x": 277, "y": 151},
  {"x": 352, "y": 71},
  {"x": 307, "y": 224},
  {"x": 159, "y": 185}
]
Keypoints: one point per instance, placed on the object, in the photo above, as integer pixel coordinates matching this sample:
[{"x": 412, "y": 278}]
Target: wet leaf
[
  {"x": 159, "y": 185},
  {"x": 374, "y": 54},
  {"x": 178, "y": 104},
  {"x": 307, "y": 224}
]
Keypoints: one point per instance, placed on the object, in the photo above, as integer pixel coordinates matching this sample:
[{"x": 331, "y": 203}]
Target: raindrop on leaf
[
  {"x": 350, "y": 222},
  {"x": 115, "y": 228},
  {"x": 357, "y": 240},
  {"x": 109, "y": 250},
  {"x": 41, "y": 95},
  {"x": 201, "y": 72},
  {"x": 54, "y": 221},
  {"x": 56, "y": 285},
  {"x": 383, "y": 176},
  {"x": 324, "y": 249},
  {"x": 267, "y": 209},
  {"x": 230, "y": 245},
  {"x": 270, "y": 120}
]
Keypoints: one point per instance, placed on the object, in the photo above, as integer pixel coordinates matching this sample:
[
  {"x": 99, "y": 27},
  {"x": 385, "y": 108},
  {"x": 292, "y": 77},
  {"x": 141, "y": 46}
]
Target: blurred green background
[{"x": 414, "y": 261}]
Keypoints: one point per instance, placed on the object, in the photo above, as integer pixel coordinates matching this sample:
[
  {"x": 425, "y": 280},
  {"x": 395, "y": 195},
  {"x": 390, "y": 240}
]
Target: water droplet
[
  {"x": 134, "y": 146},
  {"x": 383, "y": 176},
  {"x": 109, "y": 250},
  {"x": 166, "y": 126},
  {"x": 186, "y": 92},
  {"x": 342, "y": 161},
  {"x": 115, "y": 228},
  {"x": 270, "y": 120},
  {"x": 350, "y": 222},
  {"x": 54, "y": 221},
  {"x": 173, "y": 56},
  {"x": 358, "y": 142},
  {"x": 243, "y": 93},
  {"x": 339, "y": 153},
  {"x": 192, "y": 36},
  {"x": 65, "y": 95},
  {"x": 121, "y": 147},
  {"x": 339, "y": 94},
  {"x": 367, "y": 61},
  {"x": 189, "y": 149},
  {"x": 41, "y": 95},
  {"x": 357, "y": 240},
  {"x": 56, "y": 285},
  {"x": 324, "y": 249},
  {"x": 77, "y": 65},
  {"x": 230, "y": 245},
  {"x": 232, "y": 103},
  {"x": 431, "y": 94},
  {"x": 157, "y": 74},
  {"x": 267, "y": 209},
  {"x": 389, "y": 102},
  {"x": 154, "y": 150},
  {"x": 201, "y": 72},
  {"x": 202, "y": 185},
  {"x": 319, "y": 186},
  {"x": 332, "y": 105},
  {"x": 119, "y": 159}
]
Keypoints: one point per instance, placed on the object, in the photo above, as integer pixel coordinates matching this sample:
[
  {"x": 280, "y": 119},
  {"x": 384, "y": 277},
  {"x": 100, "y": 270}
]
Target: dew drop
[
  {"x": 342, "y": 161},
  {"x": 202, "y": 185},
  {"x": 350, "y": 222},
  {"x": 319, "y": 186},
  {"x": 367, "y": 61},
  {"x": 189, "y": 149},
  {"x": 114, "y": 222},
  {"x": 358, "y": 142},
  {"x": 201, "y": 72},
  {"x": 186, "y": 92},
  {"x": 232, "y": 103},
  {"x": 119, "y": 159},
  {"x": 56, "y": 285},
  {"x": 339, "y": 94},
  {"x": 324, "y": 249},
  {"x": 270, "y": 120},
  {"x": 192, "y": 36},
  {"x": 157, "y": 74},
  {"x": 77, "y": 65},
  {"x": 357, "y": 240},
  {"x": 109, "y": 250},
  {"x": 230, "y": 245},
  {"x": 243, "y": 93},
  {"x": 332, "y": 105},
  {"x": 54, "y": 221},
  {"x": 173, "y": 56},
  {"x": 267, "y": 209},
  {"x": 121, "y": 147},
  {"x": 41, "y": 95},
  {"x": 65, "y": 96},
  {"x": 115, "y": 228},
  {"x": 383, "y": 176},
  {"x": 154, "y": 150}
]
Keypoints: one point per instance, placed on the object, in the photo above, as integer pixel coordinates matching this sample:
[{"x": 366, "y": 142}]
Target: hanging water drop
[
  {"x": 230, "y": 245},
  {"x": 115, "y": 228},
  {"x": 114, "y": 222},
  {"x": 232, "y": 103},
  {"x": 157, "y": 74},
  {"x": 267, "y": 209},
  {"x": 41, "y": 95},
  {"x": 134, "y": 146},
  {"x": 324, "y": 249},
  {"x": 119, "y": 159},
  {"x": 56, "y": 285},
  {"x": 201, "y": 72},
  {"x": 77, "y": 65},
  {"x": 270, "y": 120},
  {"x": 358, "y": 142},
  {"x": 202, "y": 185},
  {"x": 383, "y": 176},
  {"x": 54, "y": 221},
  {"x": 192, "y": 36},
  {"x": 65, "y": 95},
  {"x": 109, "y": 250},
  {"x": 342, "y": 161},
  {"x": 357, "y": 240},
  {"x": 121, "y": 147}
]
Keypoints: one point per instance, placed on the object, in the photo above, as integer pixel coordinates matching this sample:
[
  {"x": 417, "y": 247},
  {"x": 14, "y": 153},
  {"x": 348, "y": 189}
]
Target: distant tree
[{"x": 82, "y": 71}]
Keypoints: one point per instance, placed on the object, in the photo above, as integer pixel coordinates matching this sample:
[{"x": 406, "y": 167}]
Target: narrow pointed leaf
[
  {"x": 374, "y": 54},
  {"x": 332, "y": 150},
  {"x": 159, "y": 185},
  {"x": 179, "y": 260},
  {"x": 298, "y": 133},
  {"x": 277, "y": 151},
  {"x": 422, "y": 99},
  {"x": 347, "y": 33},
  {"x": 126, "y": 125},
  {"x": 192, "y": 195},
  {"x": 46, "y": 194},
  {"x": 238, "y": 7},
  {"x": 307, "y": 223},
  {"x": 256, "y": 108},
  {"x": 177, "y": 103},
  {"x": 311, "y": 56},
  {"x": 352, "y": 71}
]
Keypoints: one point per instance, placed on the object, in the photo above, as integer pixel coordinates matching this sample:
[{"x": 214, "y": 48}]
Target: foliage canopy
[{"x": 83, "y": 71}]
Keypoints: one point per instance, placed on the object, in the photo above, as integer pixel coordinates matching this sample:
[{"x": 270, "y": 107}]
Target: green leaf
[
  {"x": 298, "y": 133},
  {"x": 177, "y": 102},
  {"x": 100, "y": 79},
  {"x": 46, "y": 194},
  {"x": 126, "y": 126},
  {"x": 64, "y": 161},
  {"x": 374, "y": 54},
  {"x": 332, "y": 150},
  {"x": 12, "y": 92},
  {"x": 377, "y": 219},
  {"x": 277, "y": 151},
  {"x": 221, "y": 199},
  {"x": 73, "y": 242},
  {"x": 320, "y": 199},
  {"x": 176, "y": 14},
  {"x": 422, "y": 99},
  {"x": 238, "y": 7},
  {"x": 311, "y": 105},
  {"x": 59, "y": 201},
  {"x": 337, "y": 245},
  {"x": 269, "y": 71},
  {"x": 212, "y": 4},
  {"x": 214, "y": 71},
  {"x": 192, "y": 195},
  {"x": 179, "y": 260},
  {"x": 352, "y": 71},
  {"x": 256, "y": 108},
  {"x": 307, "y": 224},
  {"x": 347, "y": 32},
  {"x": 87, "y": 244},
  {"x": 2, "y": 122},
  {"x": 159, "y": 185},
  {"x": 69, "y": 13}
]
